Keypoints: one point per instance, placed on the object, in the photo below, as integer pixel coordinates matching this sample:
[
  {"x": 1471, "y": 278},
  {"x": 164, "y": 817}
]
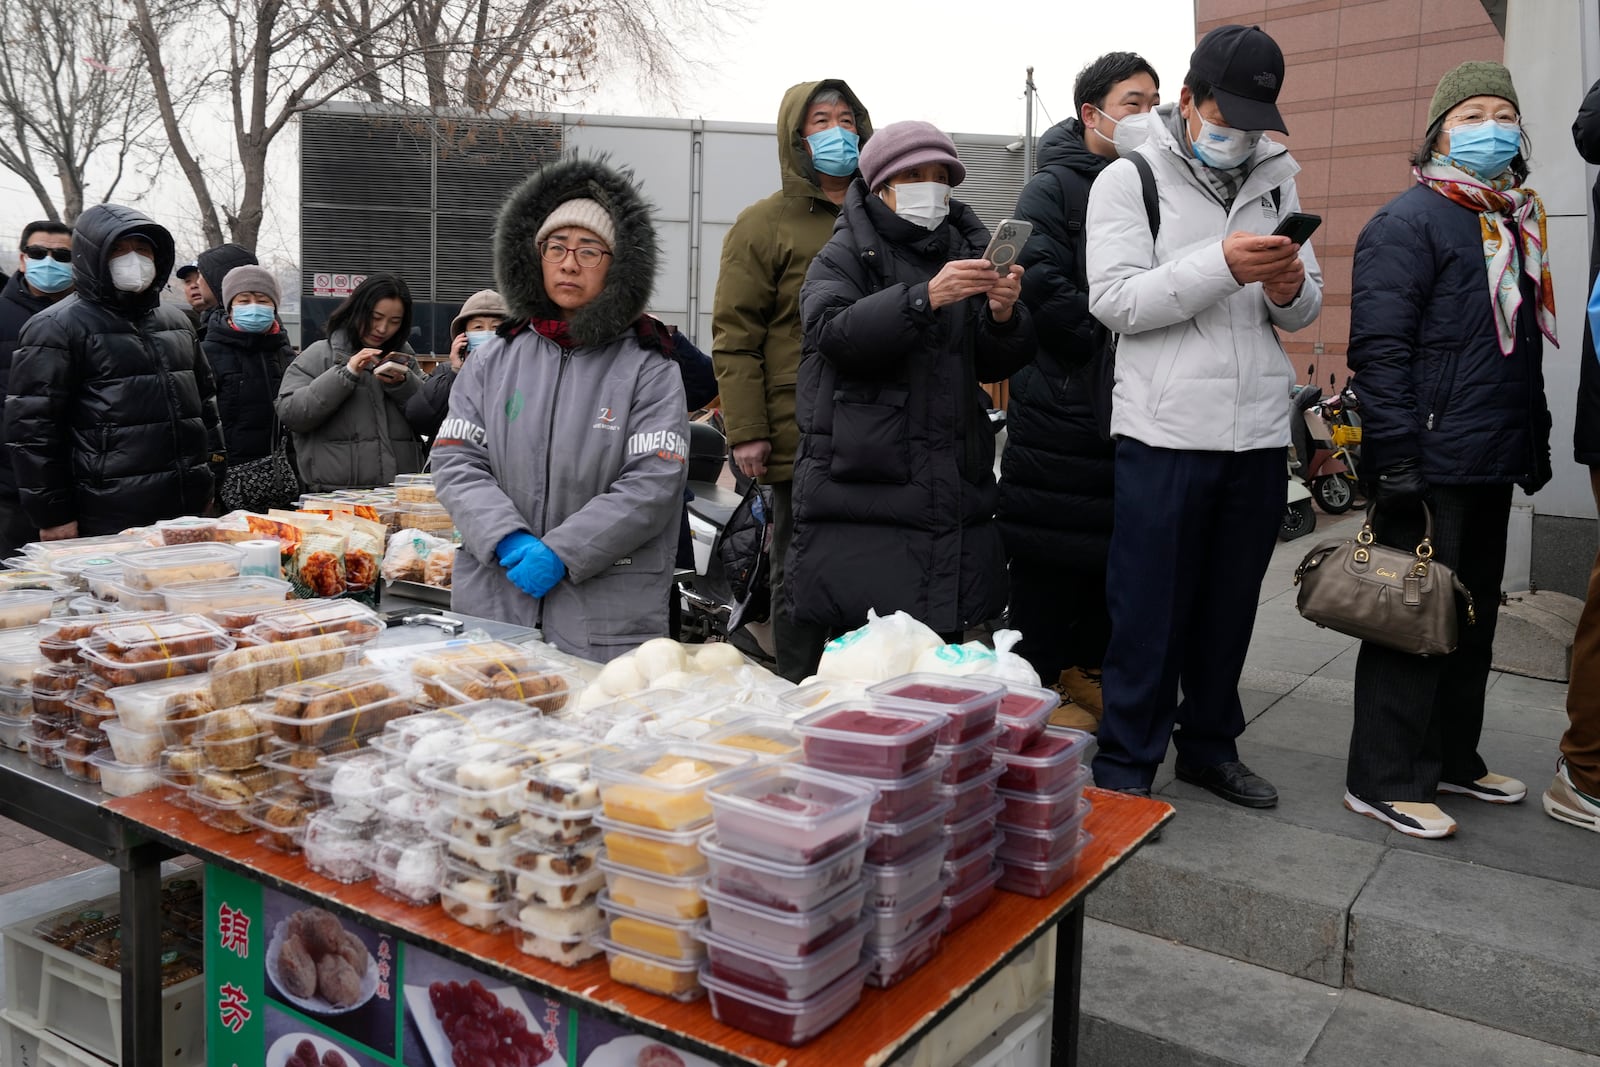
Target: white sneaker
[
  {"x": 1411, "y": 819},
  {"x": 1567, "y": 803},
  {"x": 1493, "y": 788}
]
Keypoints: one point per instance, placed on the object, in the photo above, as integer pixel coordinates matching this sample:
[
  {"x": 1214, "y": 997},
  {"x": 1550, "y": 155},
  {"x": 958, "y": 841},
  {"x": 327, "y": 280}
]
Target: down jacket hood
[
  {"x": 635, "y": 259},
  {"x": 95, "y": 232},
  {"x": 799, "y": 176}
]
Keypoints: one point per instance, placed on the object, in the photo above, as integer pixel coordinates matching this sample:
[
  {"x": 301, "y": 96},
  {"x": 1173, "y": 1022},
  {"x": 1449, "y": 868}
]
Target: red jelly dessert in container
[
  {"x": 778, "y": 976},
  {"x": 899, "y": 961},
  {"x": 962, "y": 874},
  {"x": 1047, "y": 844},
  {"x": 963, "y": 837},
  {"x": 972, "y": 795},
  {"x": 1048, "y": 764},
  {"x": 968, "y": 905},
  {"x": 1031, "y": 878},
  {"x": 892, "y": 925},
  {"x": 785, "y": 887},
  {"x": 892, "y": 842},
  {"x": 889, "y": 884},
  {"x": 787, "y": 1022},
  {"x": 899, "y": 797},
  {"x": 870, "y": 741},
  {"x": 970, "y": 703},
  {"x": 783, "y": 933},
  {"x": 1024, "y": 713},
  {"x": 1050, "y": 809},
  {"x": 970, "y": 758},
  {"x": 790, "y": 814}
]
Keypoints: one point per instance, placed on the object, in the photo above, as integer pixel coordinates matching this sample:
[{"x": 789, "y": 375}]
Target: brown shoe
[
  {"x": 1082, "y": 685},
  {"x": 1076, "y": 716}
]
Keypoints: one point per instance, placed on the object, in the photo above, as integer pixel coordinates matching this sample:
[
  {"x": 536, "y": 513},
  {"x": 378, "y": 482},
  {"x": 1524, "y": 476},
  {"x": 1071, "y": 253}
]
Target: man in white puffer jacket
[{"x": 1200, "y": 411}]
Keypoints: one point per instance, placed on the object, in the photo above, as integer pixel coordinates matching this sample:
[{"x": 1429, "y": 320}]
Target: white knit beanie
[{"x": 588, "y": 214}]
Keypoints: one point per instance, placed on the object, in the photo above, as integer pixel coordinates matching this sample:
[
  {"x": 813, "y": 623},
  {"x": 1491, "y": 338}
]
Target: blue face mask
[
  {"x": 835, "y": 151},
  {"x": 46, "y": 275},
  {"x": 1486, "y": 148},
  {"x": 475, "y": 338},
  {"x": 253, "y": 318}
]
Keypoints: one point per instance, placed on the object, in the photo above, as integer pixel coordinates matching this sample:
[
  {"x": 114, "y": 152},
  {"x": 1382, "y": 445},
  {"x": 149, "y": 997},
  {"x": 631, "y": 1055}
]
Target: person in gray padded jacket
[{"x": 563, "y": 457}]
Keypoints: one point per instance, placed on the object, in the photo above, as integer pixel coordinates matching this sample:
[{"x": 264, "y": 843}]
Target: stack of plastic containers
[
  {"x": 967, "y": 741},
  {"x": 894, "y": 749},
  {"x": 556, "y": 879},
  {"x": 654, "y": 811},
  {"x": 785, "y": 930},
  {"x": 1041, "y": 790}
]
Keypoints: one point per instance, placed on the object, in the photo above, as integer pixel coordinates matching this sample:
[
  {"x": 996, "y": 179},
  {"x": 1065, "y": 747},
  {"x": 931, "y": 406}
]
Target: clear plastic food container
[
  {"x": 231, "y": 738},
  {"x": 463, "y": 671},
  {"x": 787, "y": 1022},
  {"x": 558, "y": 826},
  {"x": 677, "y": 979},
  {"x": 770, "y": 737},
  {"x": 888, "y": 926},
  {"x": 1044, "y": 845},
  {"x": 119, "y": 779},
  {"x": 188, "y": 530},
  {"x": 90, "y": 716},
  {"x": 559, "y": 892},
  {"x": 889, "y": 884},
  {"x": 899, "y": 797},
  {"x": 787, "y": 933},
  {"x": 75, "y": 755},
  {"x": 161, "y": 656},
  {"x": 1032, "y": 878},
  {"x": 663, "y": 786},
  {"x": 672, "y": 939},
  {"x": 280, "y": 814},
  {"x": 565, "y": 785},
  {"x": 52, "y": 689},
  {"x": 407, "y": 869},
  {"x": 654, "y": 894},
  {"x": 963, "y": 873},
  {"x": 892, "y": 842},
  {"x": 479, "y": 788},
  {"x": 790, "y": 814},
  {"x": 152, "y": 568},
  {"x": 529, "y": 853},
  {"x": 817, "y": 695},
  {"x": 223, "y": 594},
  {"x": 969, "y": 904},
  {"x": 349, "y": 703},
  {"x": 127, "y": 598},
  {"x": 226, "y": 814},
  {"x": 674, "y": 854},
  {"x": 19, "y": 656},
  {"x": 24, "y": 607},
  {"x": 890, "y": 964},
  {"x": 781, "y": 977},
  {"x": 972, "y": 795},
  {"x": 540, "y": 686},
  {"x": 429, "y": 518},
  {"x": 565, "y": 938},
  {"x": 16, "y": 701},
  {"x": 143, "y": 707},
  {"x": 971, "y": 833},
  {"x": 869, "y": 741},
  {"x": 44, "y": 753},
  {"x": 1042, "y": 812},
  {"x": 13, "y": 580},
  {"x": 631, "y": 719},
  {"x": 50, "y": 727},
  {"x": 338, "y": 848},
  {"x": 133, "y": 747},
  {"x": 354, "y": 623},
  {"x": 1024, "y": 713},
  {"x": 475, "y": 902},
  {"x": 11, "y": 728},
  {"x": 970, "y": 758},
  {"x": 1048, "y": 764},
  {"x": 970, "y": 704},
  {"x": 781, "y": 886}
]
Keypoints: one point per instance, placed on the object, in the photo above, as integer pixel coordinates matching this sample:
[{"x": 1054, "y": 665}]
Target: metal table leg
[
  {"x": 1069, "y": 980},
  {"x": 141, "y": 955}
]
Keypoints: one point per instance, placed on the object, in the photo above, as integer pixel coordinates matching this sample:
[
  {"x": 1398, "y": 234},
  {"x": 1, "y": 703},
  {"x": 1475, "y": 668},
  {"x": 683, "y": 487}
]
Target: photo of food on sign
[
  {"x": 604, "y": 1044},
  {"x": 331, "y": 970},
  {"x": 291, "y": 1044},
  {"x": 456, "y": 1017}
]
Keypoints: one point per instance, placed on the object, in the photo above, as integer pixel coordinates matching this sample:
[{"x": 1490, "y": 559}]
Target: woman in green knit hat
[{"x": 1451, "y": 300}]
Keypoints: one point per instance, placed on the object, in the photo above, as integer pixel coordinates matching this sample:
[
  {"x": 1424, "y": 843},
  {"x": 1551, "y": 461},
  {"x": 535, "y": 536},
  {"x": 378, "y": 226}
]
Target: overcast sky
[{"x": 958, "y": 64}]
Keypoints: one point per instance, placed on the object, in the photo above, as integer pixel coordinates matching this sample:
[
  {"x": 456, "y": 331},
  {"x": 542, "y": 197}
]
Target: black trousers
[
  {"x": 1192, "y": 536},
  {"x": 1418, "y": 718},
  {"x": 1062, "y": 615}
]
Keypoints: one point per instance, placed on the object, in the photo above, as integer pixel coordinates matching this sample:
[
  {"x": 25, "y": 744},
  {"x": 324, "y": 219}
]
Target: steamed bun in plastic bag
[{"x": 886, "y": 647}]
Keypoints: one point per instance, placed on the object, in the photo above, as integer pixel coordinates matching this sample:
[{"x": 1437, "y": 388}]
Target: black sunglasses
[{"x": 60, "y": 255}]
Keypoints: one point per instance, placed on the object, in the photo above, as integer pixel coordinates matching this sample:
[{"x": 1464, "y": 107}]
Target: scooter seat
[{"x": 713, "y": 503}]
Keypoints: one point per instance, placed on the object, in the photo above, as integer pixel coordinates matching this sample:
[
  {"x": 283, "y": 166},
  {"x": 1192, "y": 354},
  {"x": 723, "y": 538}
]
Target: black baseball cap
[
  {"x": 186, "y": 270},
  {"x": 1244, "y": 68}
]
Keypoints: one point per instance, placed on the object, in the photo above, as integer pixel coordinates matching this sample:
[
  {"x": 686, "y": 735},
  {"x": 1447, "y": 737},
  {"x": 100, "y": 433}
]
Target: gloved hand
[
  {"x": 538, "y": 570},
  {"x": 1401, "y": 482},
  {"x": 513, "y": 547},
  {"x": 1542, "y": 473}
]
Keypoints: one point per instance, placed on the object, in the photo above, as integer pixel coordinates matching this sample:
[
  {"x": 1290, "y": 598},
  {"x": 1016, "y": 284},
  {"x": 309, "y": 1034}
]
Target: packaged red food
[
  {"x": 873, "y": 742},
  {"x": 787, "y": 1022},
  {"x": 969, "y": 704},
  {"x": 790, "y": 814},
  {"x": 1024, "y": 713},
  {"x": 1048, "y": 764},
  {"x": 1046, "y": 810},
  {"x": 1031, "y": 878},
  {"x": 966, "y": 906}
]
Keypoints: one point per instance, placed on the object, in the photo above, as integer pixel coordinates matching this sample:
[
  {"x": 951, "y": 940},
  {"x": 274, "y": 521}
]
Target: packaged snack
[
  {"x": 775, "y": 975},
  {"x": 469, "y": 671},
  {"x": 348, "y": 703},
  {"x": 231, "y": 737},
  {"x": 152, "y": 568},
  {"x": 1024, "y": 713},
  {"x": 210, "y": 597},
  {"x": 677, "y": 979},
  {"x": 338, "y": 848},
  {"x": 870, "y": 741},
  {"x": 663, "y": 786},
  {"x": 890, "y": 884},
  {"x": 787, "y": 933},
  {"x": 119, "y": 779},
  {"x": 222, "y": 797},
  {"x": 474, "y": 901},
  {"x": 1044, "y": 844},
  {"x": 781, "y": 886},
  {"x": 46, "y": 753},
  {"x": 770, "y": 737},
  {"x": 147, "y": 651},
  {"x": 1047, "y": 764},
  {"x": 354, "y": 622},
  {"x": 564, "y": 937},
  {"x": 251, "y": 672},
  {"x": 132, "y": 747},
  {"x": 672, "y": 853},
  {"x": 414, "y": 489},
  {"x": 1042, "y": 811},
  {"x": 440, "y": 571},
  {"x": 969, "y": 759},
  {"x": 892, "y": 963},
  {"x": 893, "y": 842},
  {"x": 143, "y": 707},
  {"x": 429, "y": 518},
  {"x": 672, "y": 939},
  {"x": 24, "y": 607},
  {"x": 406, "y": 868},
  {"x": 11, "y": 581},
  {"x": 19, "y": 656},
  {"x": 787, "y": 1022},
  {"x": 281, "y": 814},
  {"x": 670, "y": 898},
  {"x": 968, "y": 905},
  {"x": 969, "y": 704},
  {"x": 1035, "y": 878},
  {"x": 186, "y": 531},
  {"x": 318, "y": 566},
  {"x": 406, "y": 558},
  {"x": 790, "y": 814}
]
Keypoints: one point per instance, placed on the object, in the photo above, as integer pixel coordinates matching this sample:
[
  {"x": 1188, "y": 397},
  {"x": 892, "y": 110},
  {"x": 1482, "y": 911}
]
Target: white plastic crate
[
  {"x": 1022, "y": 1042},
  {"x": 53, "y": 990},
  {"x": 22, "y": 1045}
]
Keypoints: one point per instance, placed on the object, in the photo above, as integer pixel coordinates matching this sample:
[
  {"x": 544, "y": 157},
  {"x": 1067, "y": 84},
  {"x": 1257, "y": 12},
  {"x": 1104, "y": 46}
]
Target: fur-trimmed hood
[{"x": 635, "y": 259}]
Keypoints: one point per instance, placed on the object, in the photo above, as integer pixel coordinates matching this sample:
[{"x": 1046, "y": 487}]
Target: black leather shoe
[{"x": 1233, "y": 782}]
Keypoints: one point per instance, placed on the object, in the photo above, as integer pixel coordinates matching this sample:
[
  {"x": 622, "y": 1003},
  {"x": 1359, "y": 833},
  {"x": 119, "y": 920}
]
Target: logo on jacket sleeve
[
  {"x": 458, "y": 431},
  {"x": 667, "y": 444}
]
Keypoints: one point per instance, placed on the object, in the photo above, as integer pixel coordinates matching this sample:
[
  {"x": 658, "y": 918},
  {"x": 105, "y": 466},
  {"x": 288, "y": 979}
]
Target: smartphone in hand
[
  {"x": 1298, "y": 227},
  {"x": 391, "y": 370},
  {"x": 1006, "y": 245}
]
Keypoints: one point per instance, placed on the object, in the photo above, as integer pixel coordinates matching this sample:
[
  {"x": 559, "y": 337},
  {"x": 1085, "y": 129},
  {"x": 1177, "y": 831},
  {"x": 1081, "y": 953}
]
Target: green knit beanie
[{"x": 1475, "y": 78}]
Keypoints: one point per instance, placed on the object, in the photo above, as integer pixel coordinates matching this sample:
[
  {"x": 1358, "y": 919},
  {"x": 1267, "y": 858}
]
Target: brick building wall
[{"x": 1358, "y": 75}]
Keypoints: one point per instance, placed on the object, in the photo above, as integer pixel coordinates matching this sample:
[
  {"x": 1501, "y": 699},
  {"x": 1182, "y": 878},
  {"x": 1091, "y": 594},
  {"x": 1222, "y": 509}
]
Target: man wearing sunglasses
[{"x": 44, "y": 276}]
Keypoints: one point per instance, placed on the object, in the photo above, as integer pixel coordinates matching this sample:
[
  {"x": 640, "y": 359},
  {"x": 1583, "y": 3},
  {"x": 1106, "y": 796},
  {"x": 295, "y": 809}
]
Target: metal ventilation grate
[{"x": 994, "y": 181}]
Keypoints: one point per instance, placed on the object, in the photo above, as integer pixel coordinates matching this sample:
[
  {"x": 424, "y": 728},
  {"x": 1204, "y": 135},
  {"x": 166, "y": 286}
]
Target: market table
[{"x": 885, "y": 1023}]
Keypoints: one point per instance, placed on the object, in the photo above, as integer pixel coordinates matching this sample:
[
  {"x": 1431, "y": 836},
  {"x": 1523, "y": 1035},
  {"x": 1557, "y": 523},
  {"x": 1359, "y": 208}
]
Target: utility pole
[{"x": 1027, "y": 128}]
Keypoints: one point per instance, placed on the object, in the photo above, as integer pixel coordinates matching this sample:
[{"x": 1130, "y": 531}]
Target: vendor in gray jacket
[
  {"x": 562, "y": 459},
  {"x": 344, "y": 398}
]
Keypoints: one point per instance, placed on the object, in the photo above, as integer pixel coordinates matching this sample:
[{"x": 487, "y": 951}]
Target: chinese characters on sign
[
  {"x": 233, "y": 931},
  {"x": 233, "y": 1005}
]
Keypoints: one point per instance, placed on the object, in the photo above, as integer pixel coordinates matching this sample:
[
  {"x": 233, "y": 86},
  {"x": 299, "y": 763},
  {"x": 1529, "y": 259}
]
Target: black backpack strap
[{"x": 1147, "y": 181}]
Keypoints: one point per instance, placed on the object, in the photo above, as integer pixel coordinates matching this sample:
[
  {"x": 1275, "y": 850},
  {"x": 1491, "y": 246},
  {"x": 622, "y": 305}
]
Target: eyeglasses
[
  {"x": 60, "y": 255},
  {"x": 554, "y": 252}
]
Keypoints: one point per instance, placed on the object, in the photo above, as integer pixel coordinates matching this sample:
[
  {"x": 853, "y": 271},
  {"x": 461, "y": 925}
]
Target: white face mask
[
  {"x": 1223, "y": 147},
  {"x": 132, "y": 273},
  {"x": 925, "y": 203},
  {"x": 1131, "y": 132}
]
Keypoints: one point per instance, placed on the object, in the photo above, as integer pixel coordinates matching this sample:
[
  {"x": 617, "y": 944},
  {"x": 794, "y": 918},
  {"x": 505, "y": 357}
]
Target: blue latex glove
[
  {"x": 537, "y": 570},
  {"x": 514, "y": 547}
]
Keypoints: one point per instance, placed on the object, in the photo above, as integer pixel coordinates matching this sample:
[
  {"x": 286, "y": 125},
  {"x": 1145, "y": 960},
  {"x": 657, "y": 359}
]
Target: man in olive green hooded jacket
[{"x": 756, "y": 323}]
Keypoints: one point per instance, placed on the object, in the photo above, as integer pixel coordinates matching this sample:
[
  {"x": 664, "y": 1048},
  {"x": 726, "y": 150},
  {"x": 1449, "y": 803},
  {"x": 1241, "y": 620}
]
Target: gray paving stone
[
  {"x": 1304, "y": 724},
  {"x": 1268, "y": 893},
  {"x": 1548, "y": 723},
  {"x": 1510, "y": 951},
  {"x": 1300, "y": 657},
  {"x": 1343, "y": 666},
  {"x": 1532, "y": 691},
  {"x": 1373, "y": 1032},
  {"x": 1152, "y": 1003}
]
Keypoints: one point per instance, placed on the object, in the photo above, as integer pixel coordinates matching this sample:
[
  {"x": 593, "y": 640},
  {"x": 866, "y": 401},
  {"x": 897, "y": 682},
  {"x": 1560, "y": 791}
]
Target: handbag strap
[{"x": 1424, "y": 550}]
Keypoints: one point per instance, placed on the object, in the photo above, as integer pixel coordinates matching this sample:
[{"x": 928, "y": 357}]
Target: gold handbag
[{"x": 1401, "y": 600}]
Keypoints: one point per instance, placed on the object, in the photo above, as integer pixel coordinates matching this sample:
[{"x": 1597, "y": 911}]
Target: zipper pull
[{"x": 1430, "y": 420}]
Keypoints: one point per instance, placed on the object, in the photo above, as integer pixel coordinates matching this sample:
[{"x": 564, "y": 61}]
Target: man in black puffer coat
[
  {"x": 112, "y": 411},
  {"x": 1056, "y": 484}
]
